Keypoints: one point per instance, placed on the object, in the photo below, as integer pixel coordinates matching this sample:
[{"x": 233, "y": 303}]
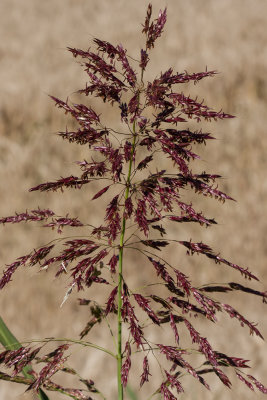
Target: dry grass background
[{"x": 226, "y": 35}]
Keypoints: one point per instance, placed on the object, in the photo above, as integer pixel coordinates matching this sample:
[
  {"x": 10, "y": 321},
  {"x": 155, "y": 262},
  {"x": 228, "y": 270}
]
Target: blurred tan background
[{"x": 227, "y": 35}]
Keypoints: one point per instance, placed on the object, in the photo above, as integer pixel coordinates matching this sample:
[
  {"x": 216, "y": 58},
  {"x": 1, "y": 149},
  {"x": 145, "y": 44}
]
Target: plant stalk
[{"x": 120, "y": 279}]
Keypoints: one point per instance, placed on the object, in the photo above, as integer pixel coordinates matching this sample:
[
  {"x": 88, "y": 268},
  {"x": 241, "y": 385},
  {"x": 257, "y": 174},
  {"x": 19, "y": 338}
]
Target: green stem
[
  {"x": 119, "y": 353},
  {"x": 27, "y": 381}
]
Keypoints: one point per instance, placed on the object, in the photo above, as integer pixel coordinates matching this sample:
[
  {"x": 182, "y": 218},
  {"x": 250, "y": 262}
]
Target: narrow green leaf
[
  {"x": 131, "y": 393},
  {"x": 8, "y": 340},
  {"x": 42, "y": 395}
]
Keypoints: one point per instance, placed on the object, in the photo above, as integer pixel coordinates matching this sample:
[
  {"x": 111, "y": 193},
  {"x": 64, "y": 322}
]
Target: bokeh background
[{"x": 227, "y": 35}]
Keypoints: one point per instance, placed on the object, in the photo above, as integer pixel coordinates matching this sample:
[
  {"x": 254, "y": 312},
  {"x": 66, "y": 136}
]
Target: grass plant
[{"x": 128, "y": 162}]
